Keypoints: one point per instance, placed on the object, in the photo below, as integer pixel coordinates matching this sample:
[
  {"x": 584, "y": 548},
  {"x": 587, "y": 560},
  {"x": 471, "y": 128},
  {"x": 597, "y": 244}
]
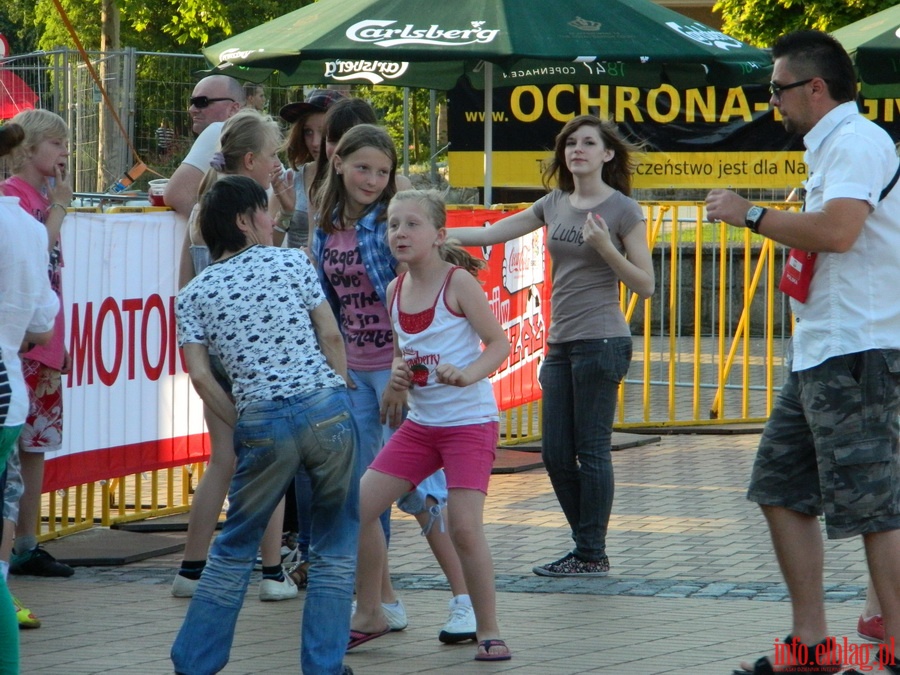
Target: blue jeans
[
  {"x": 272, "y": 440},
  {"x": 366, "y": 402},
  {"x": 580, "y": 381}
]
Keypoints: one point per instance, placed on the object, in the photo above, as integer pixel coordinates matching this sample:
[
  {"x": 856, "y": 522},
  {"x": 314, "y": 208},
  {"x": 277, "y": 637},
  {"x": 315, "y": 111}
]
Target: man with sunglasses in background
[
  {"x": 831, "y": 444},
  {"x": 215, "y": 98}
]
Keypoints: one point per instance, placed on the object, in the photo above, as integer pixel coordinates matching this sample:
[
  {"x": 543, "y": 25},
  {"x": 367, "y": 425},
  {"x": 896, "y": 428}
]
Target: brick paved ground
[{"x": 693, "y": 588}]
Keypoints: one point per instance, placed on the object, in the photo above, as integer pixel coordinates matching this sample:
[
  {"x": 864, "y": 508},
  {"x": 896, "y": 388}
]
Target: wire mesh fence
[{"x": 147, "y": 92}]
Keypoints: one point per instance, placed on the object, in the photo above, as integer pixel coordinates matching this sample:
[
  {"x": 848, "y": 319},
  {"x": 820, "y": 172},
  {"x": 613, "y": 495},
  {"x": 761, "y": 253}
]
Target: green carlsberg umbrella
[
  {"x": 417, "y": 43},
  {"x": 874, "y": 45}
]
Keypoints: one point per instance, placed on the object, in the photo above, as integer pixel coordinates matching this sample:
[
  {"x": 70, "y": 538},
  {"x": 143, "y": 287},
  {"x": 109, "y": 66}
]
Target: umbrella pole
[{"x": 488, "y": 130}]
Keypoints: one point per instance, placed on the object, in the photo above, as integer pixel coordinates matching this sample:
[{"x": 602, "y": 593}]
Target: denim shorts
[
  {"x": 832, "y": 444},
  {"x": 415, "y": 501}
]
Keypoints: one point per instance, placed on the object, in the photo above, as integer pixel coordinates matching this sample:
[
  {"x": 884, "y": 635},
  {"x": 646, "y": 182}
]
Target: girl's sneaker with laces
[
  {"x": 460, "y": 625},
  {"x": 570, "y": 565}
]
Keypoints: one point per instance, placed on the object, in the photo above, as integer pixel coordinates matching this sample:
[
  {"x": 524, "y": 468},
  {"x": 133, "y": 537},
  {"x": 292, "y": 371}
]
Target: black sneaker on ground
[
  {"x": 570, "y": 565},
  {"x": 38, "y": 563}
]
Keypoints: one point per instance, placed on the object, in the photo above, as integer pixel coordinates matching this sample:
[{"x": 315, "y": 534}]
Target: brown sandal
[{"x": 299, "y": 573}]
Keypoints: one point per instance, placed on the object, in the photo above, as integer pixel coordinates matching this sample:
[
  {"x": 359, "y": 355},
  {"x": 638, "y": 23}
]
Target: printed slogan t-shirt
[{"x": 364, "y": 318}]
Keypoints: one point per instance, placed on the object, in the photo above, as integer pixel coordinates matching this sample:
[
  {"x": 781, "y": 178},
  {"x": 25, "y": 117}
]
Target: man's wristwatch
[{"x": 754, "y": 215}]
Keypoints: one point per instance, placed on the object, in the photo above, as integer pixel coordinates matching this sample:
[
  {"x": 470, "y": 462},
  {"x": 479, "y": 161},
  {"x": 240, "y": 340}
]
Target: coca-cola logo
[
  {"x": 705, "y": 35},
  {"x": 377, "y": 32},
  {"x": 375, "y": 72}
]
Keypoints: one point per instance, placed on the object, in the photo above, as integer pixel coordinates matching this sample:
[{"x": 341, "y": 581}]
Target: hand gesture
[
  {"x": 283, "y": 185},
  {"x": 595, "y": 233},
  {"x": 401, "y": 375},
  {"x": 447, "y": 373},
  {"x": 61, "y": 191}
]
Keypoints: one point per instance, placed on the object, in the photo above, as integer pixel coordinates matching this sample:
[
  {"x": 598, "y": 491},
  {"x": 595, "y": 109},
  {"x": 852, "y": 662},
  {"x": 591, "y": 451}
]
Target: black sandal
[{"x": 764, "y": 667}]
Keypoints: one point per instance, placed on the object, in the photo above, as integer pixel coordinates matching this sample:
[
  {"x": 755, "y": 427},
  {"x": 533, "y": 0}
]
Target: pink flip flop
[
  {"x": 487, "y": 656},
  {"x": 357, "y": 637}
]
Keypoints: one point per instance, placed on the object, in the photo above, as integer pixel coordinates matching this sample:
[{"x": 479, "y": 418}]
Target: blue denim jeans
[
  {"x": 580, "y": 382},
  {"x": 272, "y": 440}
]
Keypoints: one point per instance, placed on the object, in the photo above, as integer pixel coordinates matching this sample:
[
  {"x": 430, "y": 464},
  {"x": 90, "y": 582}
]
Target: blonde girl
[
  {"x": 42, "y": 183},
  {"x": 441, "y": 319}
]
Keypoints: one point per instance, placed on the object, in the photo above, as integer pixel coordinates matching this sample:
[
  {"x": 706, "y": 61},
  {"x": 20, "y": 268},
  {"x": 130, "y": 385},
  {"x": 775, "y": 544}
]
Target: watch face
[{"x": 753, "y": 214}]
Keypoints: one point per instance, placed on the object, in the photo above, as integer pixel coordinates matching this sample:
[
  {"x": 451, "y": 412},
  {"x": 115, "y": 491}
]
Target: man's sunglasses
[
  {"x": 776, "y": 89},
  {"x": 204, "y": 101}
]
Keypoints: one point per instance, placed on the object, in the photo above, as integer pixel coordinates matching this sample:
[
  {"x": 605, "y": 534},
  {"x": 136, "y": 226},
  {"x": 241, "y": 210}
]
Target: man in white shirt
[
  {"x": 214, "y": 100},
  {"x": 831, "y": 445}
]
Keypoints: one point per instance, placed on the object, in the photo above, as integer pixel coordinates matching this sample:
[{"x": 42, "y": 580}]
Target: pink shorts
[
  {"x": 43, "y": 426},
  {"x": 466, "y": 454}
]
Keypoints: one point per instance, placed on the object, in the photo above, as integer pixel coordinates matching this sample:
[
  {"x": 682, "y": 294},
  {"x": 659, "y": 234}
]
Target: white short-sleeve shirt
[
  {"x": 851, "y": 306},
  {"x": 27, "y": 303},
  {"x": 204, "y": 147}
]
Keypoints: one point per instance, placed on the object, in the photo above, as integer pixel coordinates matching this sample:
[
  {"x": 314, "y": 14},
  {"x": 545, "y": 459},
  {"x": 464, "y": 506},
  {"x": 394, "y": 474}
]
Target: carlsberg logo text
[
  {"x": 705, "y": 36},
  {"x": 375, "y": 72},
  {"x": 378, "y": 33}
]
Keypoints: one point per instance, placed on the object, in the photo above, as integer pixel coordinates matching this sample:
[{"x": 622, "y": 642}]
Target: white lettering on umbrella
[
  {"x": 237, "y": 54},
  {"x": 377, "y": 32},
  {"x": 705, "y": 36},
  {"x": 543, "y": 70},
  {"x": 375, "y": 72}
]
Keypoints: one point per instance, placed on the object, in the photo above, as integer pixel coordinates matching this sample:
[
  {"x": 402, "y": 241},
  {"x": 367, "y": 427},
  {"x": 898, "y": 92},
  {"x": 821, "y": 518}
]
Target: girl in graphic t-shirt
[
  {"x": 441, "y": 317},
  {"x": 597, "y": 238},
  {"x": 355, "y": 266}
]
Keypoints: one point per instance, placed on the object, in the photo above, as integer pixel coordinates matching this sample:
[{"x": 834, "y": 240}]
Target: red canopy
[{"x": 15, "y": 94}]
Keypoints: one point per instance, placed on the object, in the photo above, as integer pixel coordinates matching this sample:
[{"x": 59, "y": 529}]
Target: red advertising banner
[
  {"x": 518, "y": 291},
  {"x": 128, "y": 402}
]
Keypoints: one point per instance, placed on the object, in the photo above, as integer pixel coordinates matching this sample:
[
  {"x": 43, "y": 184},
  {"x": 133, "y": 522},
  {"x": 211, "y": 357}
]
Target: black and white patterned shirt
[
  {"x": 5, "y": 393},
  {"x": 253, "y": 311}
]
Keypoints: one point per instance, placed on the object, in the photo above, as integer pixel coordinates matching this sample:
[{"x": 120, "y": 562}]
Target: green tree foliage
[
  {"x": 388, "y": 101},
  {"x": 760, "y": 22},
  {"x": 146, "y": 25}
]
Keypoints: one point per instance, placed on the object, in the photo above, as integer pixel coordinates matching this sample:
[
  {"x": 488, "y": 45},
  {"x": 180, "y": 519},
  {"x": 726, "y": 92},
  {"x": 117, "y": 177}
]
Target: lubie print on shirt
[{"x": 571, "y": 235}]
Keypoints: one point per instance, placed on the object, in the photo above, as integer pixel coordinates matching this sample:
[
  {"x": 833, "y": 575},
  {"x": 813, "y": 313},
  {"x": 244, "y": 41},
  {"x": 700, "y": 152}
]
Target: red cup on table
[{"x": 155, "y": 191}]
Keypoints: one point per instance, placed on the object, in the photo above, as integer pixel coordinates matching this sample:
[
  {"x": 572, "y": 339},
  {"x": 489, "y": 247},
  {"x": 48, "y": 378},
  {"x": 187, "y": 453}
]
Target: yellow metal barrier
[
  {"x": 137, "y": 209},
  {"x": 708, "y": 350}
]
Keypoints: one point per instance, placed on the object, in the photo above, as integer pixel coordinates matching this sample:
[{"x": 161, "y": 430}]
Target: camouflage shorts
[
  {"x": 13, "y": 489},
  {"x": 832, "y": 445}
]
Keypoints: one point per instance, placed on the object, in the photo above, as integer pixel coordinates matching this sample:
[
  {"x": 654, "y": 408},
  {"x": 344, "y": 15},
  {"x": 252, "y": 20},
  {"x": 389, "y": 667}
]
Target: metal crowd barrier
[{"x": 709, "y": 349}]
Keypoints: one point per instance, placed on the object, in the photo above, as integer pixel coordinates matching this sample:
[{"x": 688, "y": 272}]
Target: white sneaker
[
  {"x": 183, "y": 587},
  {"x": 272, "y": 591},
  {"x": 461, "y": 624},
  {"x": 394, "y": 614}
]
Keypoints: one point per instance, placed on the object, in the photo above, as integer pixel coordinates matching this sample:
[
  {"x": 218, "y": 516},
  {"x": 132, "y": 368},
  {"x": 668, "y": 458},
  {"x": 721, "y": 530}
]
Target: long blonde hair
[{"x": 246, "y": 131}]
